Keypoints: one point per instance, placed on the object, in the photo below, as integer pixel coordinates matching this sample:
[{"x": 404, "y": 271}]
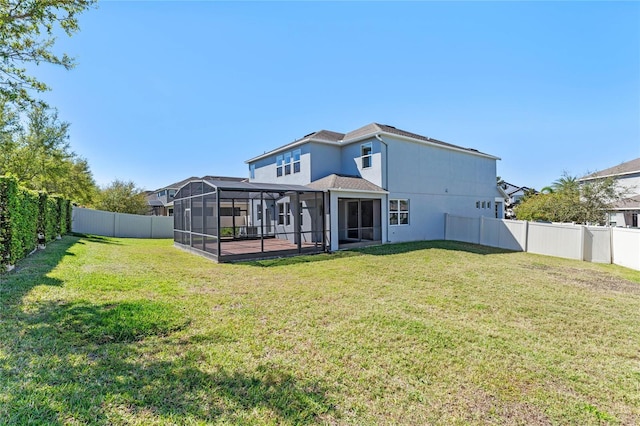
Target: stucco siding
[
  {"x": 426, "y": 215},
  {"x": 351, "y": 163},
  {"x": 631, "y": 183},
  {"x": 266, "y": 169},
  {"x": 325, "y": 160},
  {"x": 437, "y": 181},
  {"x": 418, "y": 168}
]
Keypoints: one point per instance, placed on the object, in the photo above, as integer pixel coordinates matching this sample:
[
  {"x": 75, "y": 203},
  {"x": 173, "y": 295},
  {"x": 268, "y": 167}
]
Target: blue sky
[{"x": 167, "y": 90}]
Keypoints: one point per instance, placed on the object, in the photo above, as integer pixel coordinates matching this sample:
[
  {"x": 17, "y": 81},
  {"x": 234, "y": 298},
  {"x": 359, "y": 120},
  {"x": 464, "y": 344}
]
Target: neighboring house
[
  {"x": 513, "y": 196},
  {"x": 625, "y": 212},
  {"x": 383, "y": 184},
  {"x": 160, "y": 201}
]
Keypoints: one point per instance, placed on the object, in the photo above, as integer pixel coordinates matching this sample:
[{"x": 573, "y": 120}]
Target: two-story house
[
  {"x": 160, "y": 201},
  {"x": 382, "y": 184},
  {"x": 625, "y": 212}
]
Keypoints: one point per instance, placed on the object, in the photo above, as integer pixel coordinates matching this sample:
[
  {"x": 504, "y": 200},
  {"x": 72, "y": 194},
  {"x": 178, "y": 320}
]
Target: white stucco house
[
  {"x": 328, "y": 191},
  {"x": 383, "y": 184},
  {"x": 625, "y": 212}
]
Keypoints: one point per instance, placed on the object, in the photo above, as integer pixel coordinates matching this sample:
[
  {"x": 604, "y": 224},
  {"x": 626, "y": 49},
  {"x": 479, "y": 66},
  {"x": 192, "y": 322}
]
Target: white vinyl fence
[
  {"x": 590, "y": 243},
  {"x": 109, "y": 224}
]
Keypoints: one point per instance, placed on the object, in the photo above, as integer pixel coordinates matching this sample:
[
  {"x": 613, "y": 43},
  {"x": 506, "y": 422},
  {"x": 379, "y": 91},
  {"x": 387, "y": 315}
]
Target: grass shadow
[
  {"x": 96, "y": 239},
  {"x": 379, "y": 250},
  {"x": 399, "y": 248},
  {"x": 295, "y": 260},
  {"x": 32, "y": 271},
  {"x": 76, "y": 375}
]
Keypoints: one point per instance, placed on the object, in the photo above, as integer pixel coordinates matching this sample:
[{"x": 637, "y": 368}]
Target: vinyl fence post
[
  {"x": 583, "y": 230},
  {"x": 525, "y": 247},
  {"x": 481, "y": 229},
  {"x": 612, "y": 259}
]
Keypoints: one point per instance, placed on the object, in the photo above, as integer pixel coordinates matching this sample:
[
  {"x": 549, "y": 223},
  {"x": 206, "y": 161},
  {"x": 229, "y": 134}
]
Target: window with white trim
[
  {"x": 296, "y": 160},
  {"x": 284, "y": 216},
  {"x": 252, "y": 171},
  {"x": 365, "y": 153},
  {"x": 399, "y": 212},
  {"x": 287, "y": 163},
  {"x": 279, "y": 165}
]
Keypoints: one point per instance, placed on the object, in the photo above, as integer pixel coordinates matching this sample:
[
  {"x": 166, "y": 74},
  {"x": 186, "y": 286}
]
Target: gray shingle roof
[
  {"x": 376, "y": 127},
  {"x": 328, "y": 135},
  {"x": 335, "y": 181},
  {"x": 632, "y": 166},
  {"x": 369, "y": 129}
]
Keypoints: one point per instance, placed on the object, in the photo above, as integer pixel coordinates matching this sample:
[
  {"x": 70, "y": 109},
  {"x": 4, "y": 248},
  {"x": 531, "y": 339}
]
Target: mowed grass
[{"x": 97, "y": 330}]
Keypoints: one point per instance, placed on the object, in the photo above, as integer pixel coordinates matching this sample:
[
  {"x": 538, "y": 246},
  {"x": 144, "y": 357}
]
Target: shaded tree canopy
[
  {"x": 571, "y": 201},
  {"x": 122, "y": 197},
  {"x": 27, "y": 30}
]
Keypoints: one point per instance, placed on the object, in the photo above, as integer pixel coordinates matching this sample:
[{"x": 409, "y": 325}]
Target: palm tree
[{"x": 566, "y": 184}]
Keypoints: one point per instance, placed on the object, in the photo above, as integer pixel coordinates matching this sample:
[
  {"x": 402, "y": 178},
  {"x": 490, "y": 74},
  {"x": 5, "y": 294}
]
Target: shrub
[{"x": 24, "y": 214}]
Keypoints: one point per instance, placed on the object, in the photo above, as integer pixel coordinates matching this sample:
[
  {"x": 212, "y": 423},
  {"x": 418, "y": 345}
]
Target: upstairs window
[
  {"x": 279, "y": 165},
  {"x": 287, "y": 163},
  {"x": 252, "y": 171},
  {"x": 365, "y": 154},
  {"x": 296, "y": 161}
]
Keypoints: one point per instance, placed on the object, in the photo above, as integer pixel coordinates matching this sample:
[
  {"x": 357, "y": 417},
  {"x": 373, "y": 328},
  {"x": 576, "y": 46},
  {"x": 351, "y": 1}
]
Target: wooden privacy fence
[
  {"x": 600, "y": 244},
  {"x": 109, "y": 224}
]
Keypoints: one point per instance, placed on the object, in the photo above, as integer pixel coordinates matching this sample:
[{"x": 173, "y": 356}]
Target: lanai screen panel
[{"x": 196, "y": 217}]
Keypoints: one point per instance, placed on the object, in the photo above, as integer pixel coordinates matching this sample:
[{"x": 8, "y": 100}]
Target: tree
[
  {"x": 39, "y": 156},
  {"x": 27, "y": 36},
  {"x": 566, "y": 183},
  {"x": 122, "y": 197},
  {"x": 571, "y": 201}
]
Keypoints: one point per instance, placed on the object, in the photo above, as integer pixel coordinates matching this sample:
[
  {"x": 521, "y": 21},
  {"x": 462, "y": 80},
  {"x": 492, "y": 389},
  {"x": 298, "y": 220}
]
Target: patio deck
[{"x": 240, "y": 247}]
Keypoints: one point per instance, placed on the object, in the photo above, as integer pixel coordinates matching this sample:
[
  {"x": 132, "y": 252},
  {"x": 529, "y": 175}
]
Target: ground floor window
[
  {"x": 283, "y": 214},
  {"x": 399, "y": 212}
]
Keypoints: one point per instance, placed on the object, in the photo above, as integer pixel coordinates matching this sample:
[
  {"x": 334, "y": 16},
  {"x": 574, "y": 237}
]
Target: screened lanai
[{"x": 231, "y": 220}]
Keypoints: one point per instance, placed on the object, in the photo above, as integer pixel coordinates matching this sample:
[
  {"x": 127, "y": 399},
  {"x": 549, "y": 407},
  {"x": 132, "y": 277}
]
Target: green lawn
[{"x": 122, "y": 331}]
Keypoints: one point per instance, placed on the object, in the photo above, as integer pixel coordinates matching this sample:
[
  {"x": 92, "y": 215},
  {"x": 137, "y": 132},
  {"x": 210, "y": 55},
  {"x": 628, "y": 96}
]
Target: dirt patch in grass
[{"x": 597, "y": 280}]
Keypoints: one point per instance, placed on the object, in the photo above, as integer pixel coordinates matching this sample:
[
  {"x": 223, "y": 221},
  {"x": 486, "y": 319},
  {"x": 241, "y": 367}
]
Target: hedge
[{"x": 23, "y": 215}]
